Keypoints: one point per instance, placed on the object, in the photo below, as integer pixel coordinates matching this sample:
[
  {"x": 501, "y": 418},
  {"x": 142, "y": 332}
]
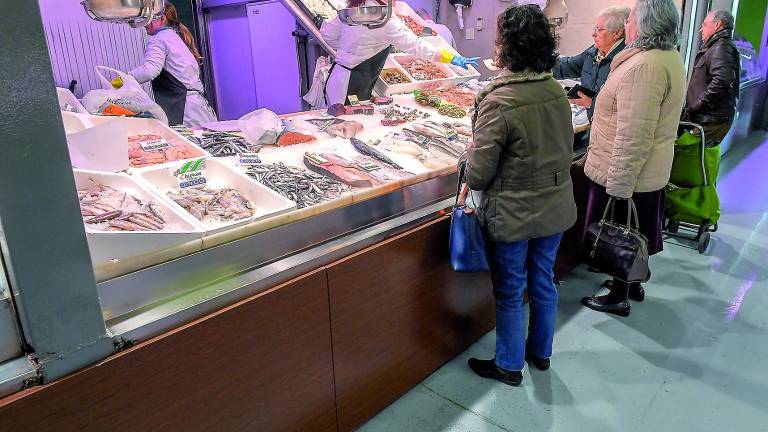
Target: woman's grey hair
[
  {"x": 723, "y": 17},
  {"x": 616, "y": 15},
  {"x": 658, "y": 25}
]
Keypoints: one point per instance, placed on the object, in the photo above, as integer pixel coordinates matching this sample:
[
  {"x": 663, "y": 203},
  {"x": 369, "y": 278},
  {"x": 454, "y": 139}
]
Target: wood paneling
[
  {"x": 263, "y": 364},
  {"x": 398, "y": 312}
]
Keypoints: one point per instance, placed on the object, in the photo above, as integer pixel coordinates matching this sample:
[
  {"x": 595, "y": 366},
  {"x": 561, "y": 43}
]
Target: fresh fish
[
  {"x": 303, "y": 187},
  {"x": 112, "y": 210},
  {"x": 370, "y": 151},
  {"x": 430, "y": 129},
  {"x": 338, "y": 168},
  {"x": 104, "y": 216},
  {"x": 214, "y": 205}
]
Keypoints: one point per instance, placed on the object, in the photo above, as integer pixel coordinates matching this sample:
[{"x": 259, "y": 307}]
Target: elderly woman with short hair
[
  {"x": 593, "y": 65},
  {"x": 631, "y": 146},
  {"x": 521, "y": 159}
]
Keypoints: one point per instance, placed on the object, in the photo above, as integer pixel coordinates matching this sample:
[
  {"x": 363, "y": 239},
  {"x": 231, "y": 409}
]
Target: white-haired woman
[
  {"x": 593, "y": 65},
  {"x": 633, "y": 134}
]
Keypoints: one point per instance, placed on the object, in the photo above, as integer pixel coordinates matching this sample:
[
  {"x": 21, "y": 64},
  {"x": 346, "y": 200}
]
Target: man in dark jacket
[
  {"x": 714, "y": 85},
  {"x": 593, "y": 65}
]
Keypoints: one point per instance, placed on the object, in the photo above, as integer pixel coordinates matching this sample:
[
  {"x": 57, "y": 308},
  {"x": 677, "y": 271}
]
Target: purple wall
[{"x": 231, "y": 64}]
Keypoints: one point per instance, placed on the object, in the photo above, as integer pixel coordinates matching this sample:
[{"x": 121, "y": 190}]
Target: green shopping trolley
[{"x": 691, "y": 196}]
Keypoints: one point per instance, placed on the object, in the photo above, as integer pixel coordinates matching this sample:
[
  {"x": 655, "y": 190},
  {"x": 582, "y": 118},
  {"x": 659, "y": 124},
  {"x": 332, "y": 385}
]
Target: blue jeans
[{"x": 516, "y": 266}]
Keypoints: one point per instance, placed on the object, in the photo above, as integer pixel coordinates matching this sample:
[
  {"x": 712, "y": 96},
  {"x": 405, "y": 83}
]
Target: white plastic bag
[
  {"x": 130, "y": 96},
  {"x": 315, "y": 96},
  {"x": 261, "y": 126}
]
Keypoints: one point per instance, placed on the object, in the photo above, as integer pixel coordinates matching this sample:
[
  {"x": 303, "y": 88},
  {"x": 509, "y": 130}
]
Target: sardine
[{"x": 104, "y": 217}]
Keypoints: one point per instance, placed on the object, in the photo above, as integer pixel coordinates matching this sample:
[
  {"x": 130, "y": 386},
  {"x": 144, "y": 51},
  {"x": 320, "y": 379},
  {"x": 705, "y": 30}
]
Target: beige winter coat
[{"x": 635, "y": 123}]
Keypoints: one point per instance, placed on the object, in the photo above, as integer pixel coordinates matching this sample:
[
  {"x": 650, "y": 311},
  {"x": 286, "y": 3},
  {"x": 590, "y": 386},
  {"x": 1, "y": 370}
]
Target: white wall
[
  {"x": 574, "y": 38},
  {"x": 577, "y": 35}
]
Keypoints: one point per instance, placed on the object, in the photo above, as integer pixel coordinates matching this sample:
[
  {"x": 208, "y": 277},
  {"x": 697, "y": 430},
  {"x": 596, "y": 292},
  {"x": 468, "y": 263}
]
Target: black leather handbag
[{"x": 616, "y": 249}]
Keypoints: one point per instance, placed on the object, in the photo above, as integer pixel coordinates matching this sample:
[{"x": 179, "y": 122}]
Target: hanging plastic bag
[
  {"x": 261, "y": 127},
  {"x": 129, "y": 98},
  {"x": 315, "y": 96}
]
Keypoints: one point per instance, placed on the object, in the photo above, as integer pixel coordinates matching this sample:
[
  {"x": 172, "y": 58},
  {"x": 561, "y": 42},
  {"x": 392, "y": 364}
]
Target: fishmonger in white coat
[
  {"x": 172, "y": 64},
  {"x": 361, "y": 53}
]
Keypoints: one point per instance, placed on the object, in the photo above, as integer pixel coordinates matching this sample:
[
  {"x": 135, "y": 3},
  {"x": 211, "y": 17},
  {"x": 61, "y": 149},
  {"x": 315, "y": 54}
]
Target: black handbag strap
[
  {"x": 462, "y": 168},
  {"x": 631, "y": 216},
  {"x": 631, "y": 213}
]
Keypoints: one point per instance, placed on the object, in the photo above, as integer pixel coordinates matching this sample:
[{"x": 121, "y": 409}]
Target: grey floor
[{"x": 692, "y": 357}]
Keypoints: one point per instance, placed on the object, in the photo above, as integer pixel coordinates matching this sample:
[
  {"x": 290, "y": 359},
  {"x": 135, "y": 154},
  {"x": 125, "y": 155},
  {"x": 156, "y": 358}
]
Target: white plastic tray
[
  {"x": 99, "y": 148},
  {"x": 404, "y": 9},
  {"x": 463, "y": 74},
  {"x": 455, "y": 75},
  {"x": 136, "y": 126},
  {"x": 109, "y": 247},
  {"x": 219, "y": 175}
]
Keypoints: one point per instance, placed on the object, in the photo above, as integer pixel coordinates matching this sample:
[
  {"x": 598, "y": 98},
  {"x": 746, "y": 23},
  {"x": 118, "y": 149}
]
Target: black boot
[
  {"x": 541, "y": 364},
  {"x": 636, "y": 291},
  {"x": 488, "y": 369},
  {"x": 615, "y": 302}
]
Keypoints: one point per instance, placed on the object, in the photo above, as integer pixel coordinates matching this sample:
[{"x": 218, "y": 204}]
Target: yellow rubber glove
[
  {"x": 449, "y": 57},
  {"x": 446, "y": 56},
  {"x": 117, "y": 82}
]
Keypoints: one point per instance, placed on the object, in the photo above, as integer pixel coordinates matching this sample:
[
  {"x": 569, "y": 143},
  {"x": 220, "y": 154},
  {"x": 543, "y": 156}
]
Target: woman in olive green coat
[{"x": 521, "y": 161}]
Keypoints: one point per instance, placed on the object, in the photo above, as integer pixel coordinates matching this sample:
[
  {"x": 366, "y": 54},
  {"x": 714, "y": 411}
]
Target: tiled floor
[{"x": 692, "y": 357}]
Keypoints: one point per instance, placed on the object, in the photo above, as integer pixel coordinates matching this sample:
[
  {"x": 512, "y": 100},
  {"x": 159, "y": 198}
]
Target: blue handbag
[{"x": 466, "y": 242}]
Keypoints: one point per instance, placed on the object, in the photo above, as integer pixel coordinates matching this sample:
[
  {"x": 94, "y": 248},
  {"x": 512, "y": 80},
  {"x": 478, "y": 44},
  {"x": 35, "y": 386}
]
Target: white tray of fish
[
  {"x": 219, "y": 212},
  {"x": 141, "y": 131},
  {"x": 108, "y": 247},
  {"x": 454, "y": 74}
]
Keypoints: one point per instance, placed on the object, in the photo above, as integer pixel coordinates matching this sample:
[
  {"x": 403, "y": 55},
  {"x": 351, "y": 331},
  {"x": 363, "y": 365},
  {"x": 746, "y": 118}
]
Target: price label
[
  {"x": 154, "y": 145},
  {"x": 368, "y": 166},
  {"x": 192, "y": 179},
  {"x": 248, "y": 159},
  {"x": 191, "y": 174}
]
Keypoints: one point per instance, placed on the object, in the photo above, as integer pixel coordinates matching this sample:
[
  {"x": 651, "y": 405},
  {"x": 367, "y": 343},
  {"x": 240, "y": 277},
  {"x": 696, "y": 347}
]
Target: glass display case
[{"x": 751, "y": 69}]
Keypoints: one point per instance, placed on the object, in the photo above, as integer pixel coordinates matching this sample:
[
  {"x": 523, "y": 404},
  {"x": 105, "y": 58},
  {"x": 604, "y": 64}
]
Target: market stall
[{"x": 239, "y": 254}]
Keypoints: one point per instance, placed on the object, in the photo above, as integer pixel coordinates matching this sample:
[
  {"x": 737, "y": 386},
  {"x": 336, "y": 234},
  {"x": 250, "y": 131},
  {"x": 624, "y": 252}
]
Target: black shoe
[
  {"x": 541, "y": 364},
  {"x": 488, "y": 369},
  {"x": 599, "y": 304},
  {"x": 636, "y": 291}
]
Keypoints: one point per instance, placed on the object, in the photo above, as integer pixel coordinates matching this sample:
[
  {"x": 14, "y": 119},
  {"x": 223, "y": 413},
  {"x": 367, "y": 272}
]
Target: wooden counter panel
[
  {"x": 398, "y": 312},
  {"x": 263, "y": 364}
]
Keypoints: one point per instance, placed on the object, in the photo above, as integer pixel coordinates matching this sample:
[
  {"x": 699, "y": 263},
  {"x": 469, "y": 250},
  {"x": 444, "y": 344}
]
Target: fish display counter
[
  {"x": 315, "y": 242},
  {"x": 156, "y": 199},
  {"x": 317, "y": 178}
]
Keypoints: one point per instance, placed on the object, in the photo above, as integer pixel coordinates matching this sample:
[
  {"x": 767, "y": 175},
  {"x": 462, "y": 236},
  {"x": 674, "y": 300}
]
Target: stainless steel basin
[
  {"x": 134, "y": 12},
  {"x": 369, "y": 16}
]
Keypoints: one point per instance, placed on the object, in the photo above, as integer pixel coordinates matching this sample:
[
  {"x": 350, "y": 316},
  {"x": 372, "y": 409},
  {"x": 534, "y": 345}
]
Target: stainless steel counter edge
[
  {"x": 163, "y": 282},
  {"x": 14, "y": 375},
  {"x": 157, "y": 319}
]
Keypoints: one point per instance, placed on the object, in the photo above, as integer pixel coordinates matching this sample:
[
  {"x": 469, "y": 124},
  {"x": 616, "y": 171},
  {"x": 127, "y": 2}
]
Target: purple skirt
[{"x": 650, "y": 212}]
